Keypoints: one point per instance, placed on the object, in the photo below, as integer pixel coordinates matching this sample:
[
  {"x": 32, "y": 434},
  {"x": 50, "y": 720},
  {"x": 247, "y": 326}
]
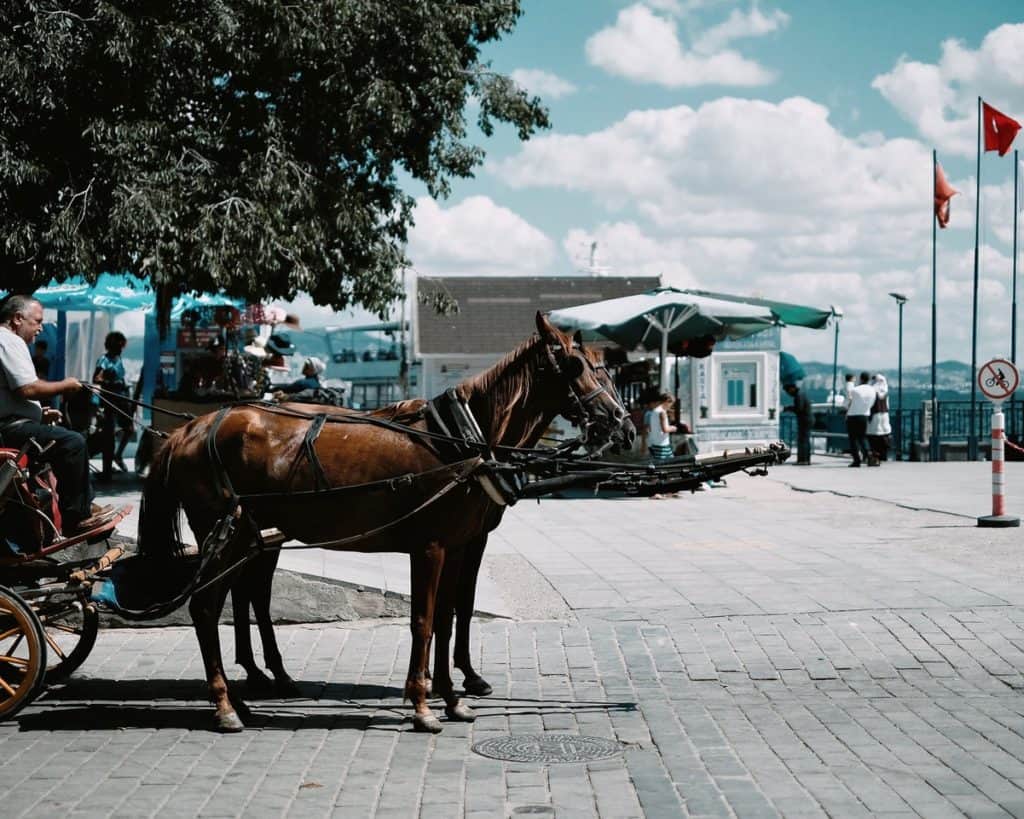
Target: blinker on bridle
[{"x": 582, "y": 417}]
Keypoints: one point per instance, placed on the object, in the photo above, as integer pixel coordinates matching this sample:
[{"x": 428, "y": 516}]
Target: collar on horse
[{"x": 453, "y": 418}]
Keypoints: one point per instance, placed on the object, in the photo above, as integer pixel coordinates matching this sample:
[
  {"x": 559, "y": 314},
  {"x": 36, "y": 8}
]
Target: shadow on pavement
[{"x": 103, "y": 705}]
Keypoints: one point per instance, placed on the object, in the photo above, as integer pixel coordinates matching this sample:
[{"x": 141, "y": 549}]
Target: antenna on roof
[{"x": 592, "y": 267}]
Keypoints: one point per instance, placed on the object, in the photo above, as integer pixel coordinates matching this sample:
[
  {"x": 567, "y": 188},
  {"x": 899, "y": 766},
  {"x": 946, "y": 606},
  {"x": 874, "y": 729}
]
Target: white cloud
[
  {"x": 779, "y": 173},
  {"x": 476, "y": 236},
  {"x": 543, "y": 83},
  {"x": 753, "y": 23},
  {"x": 785, "y": 206},
  {"x": 940, "y": 99},
  {"x": 645, "y": 47}
]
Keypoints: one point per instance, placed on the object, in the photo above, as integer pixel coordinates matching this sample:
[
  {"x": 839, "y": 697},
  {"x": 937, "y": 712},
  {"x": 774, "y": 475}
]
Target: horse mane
[{"x": 498, "y": 391}]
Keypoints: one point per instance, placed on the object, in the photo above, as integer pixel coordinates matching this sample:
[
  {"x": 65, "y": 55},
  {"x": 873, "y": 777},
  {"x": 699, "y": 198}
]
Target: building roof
[{"x": 496, "y": 313}]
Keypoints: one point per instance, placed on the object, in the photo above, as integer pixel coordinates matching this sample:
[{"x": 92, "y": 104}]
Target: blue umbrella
[{"x": 111, "y": 293}]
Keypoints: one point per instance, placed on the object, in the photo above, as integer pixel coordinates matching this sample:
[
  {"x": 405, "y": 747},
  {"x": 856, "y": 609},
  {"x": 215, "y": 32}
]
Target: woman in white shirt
[{"x": 879, "y": 427}]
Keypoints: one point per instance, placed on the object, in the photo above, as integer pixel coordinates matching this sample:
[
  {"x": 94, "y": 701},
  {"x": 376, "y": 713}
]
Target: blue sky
[{"x": 780, "y": 149}]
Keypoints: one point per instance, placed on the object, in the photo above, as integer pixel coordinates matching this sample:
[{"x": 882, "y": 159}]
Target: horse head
[{"x": 583, "y": 391}]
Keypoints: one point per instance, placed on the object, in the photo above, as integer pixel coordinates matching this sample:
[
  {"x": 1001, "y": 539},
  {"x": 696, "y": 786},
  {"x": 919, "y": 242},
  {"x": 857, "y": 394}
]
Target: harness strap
[
  {"x": 220, "y": 474},
  {"x": 319, "y": 478}
]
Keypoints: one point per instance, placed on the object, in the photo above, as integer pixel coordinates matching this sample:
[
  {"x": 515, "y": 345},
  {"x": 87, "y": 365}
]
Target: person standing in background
[
  {"x": 879, "y": 426},
  {"x": 658, "y": 428},
  {"x": 801, "y": 407},
  {"x": 117, "y": 413},
  {"x": 859, "y": 400}
]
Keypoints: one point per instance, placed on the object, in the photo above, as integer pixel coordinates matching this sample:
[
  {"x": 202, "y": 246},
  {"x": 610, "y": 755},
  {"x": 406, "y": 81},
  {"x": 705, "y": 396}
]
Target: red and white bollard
[{"x": 998, "y": 517}]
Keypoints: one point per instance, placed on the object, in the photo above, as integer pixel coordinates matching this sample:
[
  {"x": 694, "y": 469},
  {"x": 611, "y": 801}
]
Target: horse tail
[{"x": 160, "y": 509}]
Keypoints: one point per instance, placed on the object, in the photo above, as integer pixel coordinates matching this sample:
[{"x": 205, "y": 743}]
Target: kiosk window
[{"x": 739, "y": 386}]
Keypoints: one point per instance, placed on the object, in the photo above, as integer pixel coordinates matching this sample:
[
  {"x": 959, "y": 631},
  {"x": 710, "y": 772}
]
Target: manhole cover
[{"x": 547, "y": 748}]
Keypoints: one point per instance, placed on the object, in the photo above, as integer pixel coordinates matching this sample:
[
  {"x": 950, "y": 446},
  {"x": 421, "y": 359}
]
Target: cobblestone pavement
[{"x": 756, "y": 651}]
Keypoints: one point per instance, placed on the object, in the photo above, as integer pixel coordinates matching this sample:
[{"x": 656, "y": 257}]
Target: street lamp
[
  {"x": 837, "y": 313},
  {"x": 900, "y": 301}
]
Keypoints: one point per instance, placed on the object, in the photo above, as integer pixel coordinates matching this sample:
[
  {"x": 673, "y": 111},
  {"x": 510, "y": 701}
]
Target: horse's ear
[{"x": 547, "y": 330}]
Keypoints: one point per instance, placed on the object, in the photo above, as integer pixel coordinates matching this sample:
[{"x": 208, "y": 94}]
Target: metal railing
[{"x": 953, "y": 426}]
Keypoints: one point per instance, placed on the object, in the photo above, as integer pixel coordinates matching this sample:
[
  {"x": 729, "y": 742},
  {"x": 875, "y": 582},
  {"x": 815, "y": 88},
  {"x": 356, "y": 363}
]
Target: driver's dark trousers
[{"x": 69, "y": 459}]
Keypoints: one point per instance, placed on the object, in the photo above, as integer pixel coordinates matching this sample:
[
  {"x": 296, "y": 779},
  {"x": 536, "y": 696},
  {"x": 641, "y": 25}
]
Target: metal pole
[
  {"x": 403, "y": 365},
  {"x": 899, "y": 393},
  {"x": 835, "y": 364},
  {"x": 933, "y": 443},
  {"x": 972, "y": 438},
  {"x": 1013, "y": 293}
]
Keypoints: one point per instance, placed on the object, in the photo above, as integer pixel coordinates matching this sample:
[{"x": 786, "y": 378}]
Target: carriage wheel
[
  {"x": 70, "y": 632},
  {"x": 22, "y": 654}
]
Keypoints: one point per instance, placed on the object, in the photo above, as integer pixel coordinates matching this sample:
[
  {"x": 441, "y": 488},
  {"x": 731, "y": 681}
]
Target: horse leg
[
  {"x": 205, "y": 608},
  {"x": 425, "y": 573},
  {"x": 465, "y": 603},
  {"x": 443, "y": 614},
  {"x": 260, "y": 590},
  {"x": 241, "y": 593}
]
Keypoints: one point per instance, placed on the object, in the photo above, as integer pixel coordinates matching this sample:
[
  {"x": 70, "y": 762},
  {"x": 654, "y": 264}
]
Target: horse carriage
[{"x": 429, "y": 479}]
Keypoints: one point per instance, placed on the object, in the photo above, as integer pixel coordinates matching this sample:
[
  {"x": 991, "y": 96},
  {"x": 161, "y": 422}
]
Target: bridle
[{"x": 579, "y": 414}]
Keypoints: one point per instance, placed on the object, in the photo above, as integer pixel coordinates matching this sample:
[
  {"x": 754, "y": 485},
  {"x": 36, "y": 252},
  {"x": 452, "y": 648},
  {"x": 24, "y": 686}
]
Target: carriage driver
[{"x": 22, "y": 417}]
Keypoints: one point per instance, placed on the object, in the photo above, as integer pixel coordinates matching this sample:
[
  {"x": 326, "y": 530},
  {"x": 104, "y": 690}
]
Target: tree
[{"x": 249, "y": 146}]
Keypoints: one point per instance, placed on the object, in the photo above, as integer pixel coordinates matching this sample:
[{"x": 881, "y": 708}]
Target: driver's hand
[
  {"x": 279, "y": 396},
  {"x": 72, "y": 385},
  {"x": 52, "y": 416}
]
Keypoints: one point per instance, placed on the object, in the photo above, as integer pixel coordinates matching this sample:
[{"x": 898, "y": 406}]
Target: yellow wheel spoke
[
  {"x": 6, "y": 687},
  {"x": 54, "y": 646},
  {"x": 16, "y": 661}
]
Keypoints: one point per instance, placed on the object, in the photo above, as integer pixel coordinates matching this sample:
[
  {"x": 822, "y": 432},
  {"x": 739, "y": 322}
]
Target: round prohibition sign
[{"x": 998, "y": 379}]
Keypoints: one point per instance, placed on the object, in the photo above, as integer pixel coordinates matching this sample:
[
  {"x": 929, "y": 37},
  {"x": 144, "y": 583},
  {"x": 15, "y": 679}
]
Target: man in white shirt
[
  {"x": 859, "y": 400},
  {"x": 22, "y": 417}
]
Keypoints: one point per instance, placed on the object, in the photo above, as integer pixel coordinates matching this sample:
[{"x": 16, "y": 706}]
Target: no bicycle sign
[{"x": 997, "y": 379}]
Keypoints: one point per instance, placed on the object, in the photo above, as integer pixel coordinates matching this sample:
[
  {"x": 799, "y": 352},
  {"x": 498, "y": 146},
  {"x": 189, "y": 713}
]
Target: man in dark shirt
[
  {"x": 801, "y": 407},
  {"x": 312, "y": 367}
]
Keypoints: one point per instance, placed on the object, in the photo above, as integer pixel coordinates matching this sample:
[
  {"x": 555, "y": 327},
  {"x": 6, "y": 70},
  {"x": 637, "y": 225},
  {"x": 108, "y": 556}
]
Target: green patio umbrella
[{"x": 662, "y": 318}]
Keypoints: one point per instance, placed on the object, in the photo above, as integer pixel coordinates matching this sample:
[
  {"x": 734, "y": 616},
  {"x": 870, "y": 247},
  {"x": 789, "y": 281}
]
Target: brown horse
[
  {"x": 381, "y": 488},
  {"x": 254, "y": 588}
]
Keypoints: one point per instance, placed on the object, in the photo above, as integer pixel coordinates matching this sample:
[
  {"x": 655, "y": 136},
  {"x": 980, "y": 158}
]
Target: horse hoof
[
  {"x": 460, "y": 713},
  {"x": 427, "y": 723},
  {"x": 477, "y": 686},
  {"x": 229, "y": 723}
]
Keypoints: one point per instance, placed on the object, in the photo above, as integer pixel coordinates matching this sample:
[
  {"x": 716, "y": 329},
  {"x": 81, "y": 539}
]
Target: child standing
[{"x": 658, "y": 427}]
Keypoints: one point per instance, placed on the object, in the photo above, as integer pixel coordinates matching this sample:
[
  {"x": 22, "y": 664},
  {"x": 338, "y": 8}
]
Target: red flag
[
  {"x": 943, "y": 193},
  {"x": 999, "y": 129}
]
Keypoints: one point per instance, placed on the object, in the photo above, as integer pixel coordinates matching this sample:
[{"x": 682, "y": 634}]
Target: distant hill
[{"x": 952, "y": 381}]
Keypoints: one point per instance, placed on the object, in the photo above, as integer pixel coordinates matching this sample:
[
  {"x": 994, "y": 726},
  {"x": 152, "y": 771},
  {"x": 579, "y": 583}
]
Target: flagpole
[
  {"x": 1013, "y": 292},
  {"x": 933, "y": 443},
  {"x": 972, "y": 438}
]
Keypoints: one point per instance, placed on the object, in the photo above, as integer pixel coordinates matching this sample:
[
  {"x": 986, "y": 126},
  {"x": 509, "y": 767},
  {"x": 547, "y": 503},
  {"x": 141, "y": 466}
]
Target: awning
[
  {"x": 795, "y": 315},
  {"x": 790, "y": 370}
]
